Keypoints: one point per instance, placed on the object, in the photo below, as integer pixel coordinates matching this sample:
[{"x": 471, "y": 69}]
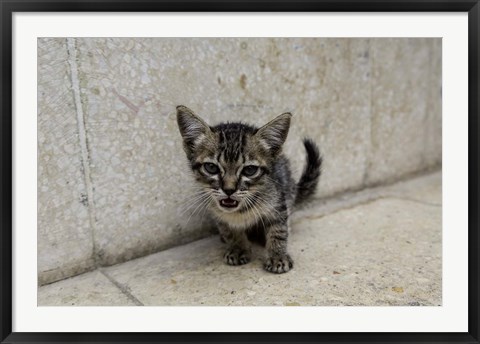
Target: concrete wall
[{"x": 111, "y": 170}]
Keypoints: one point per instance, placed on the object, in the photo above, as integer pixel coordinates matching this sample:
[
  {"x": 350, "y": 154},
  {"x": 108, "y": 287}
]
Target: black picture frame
[{"x": 9, "y": 7}]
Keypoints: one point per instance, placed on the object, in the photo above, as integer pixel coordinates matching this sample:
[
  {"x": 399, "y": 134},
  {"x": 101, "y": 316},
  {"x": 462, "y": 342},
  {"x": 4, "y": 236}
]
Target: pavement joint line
[
  {"x": 125, "y": 290},
  {"x": 364, "y": 196},
  {"x": 367, "y": 200},
  {"x": 354, "y": 204},
  {"x": 415, "y": 200},
  {"x": 378, "y": 190}
]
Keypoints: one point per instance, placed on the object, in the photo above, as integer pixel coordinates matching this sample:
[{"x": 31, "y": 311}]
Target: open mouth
[{"x": 228, "y": 203}]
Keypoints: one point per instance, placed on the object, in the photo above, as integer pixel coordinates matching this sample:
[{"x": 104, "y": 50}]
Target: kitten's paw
[
  {"x": 278, "y": 264},
  {"x": 237, "y": 256}
]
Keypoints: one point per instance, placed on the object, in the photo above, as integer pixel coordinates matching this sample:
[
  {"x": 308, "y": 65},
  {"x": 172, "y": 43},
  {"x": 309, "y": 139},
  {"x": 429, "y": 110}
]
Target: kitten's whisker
[
  {"x": 197, "y": 200},
  {"x": 267, "y": 204},
  {"x": 259, "y": 214},
  {"x": 250, "y": 209},
  {"x": 276, "y": 182},
  {"x": 197, "y": 192},
  {"x": 205, "y": 201},
  {"x": 205, "y": 211},
  {"x": 191, "y": 199},
  {"x": 267, "y": 208}
]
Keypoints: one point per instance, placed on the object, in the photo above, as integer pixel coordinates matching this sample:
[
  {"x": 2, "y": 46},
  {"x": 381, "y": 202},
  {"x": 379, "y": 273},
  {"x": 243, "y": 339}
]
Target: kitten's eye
[
  {"x": 211, "y": 168},
  {"x": 250, "y": 170}
]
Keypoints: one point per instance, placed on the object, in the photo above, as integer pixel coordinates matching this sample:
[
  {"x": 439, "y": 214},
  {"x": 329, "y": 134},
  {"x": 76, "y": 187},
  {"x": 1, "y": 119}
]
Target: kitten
[{"x": 246, "y": 182}]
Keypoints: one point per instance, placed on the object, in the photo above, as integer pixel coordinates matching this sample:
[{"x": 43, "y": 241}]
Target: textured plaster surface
[
  {"x": 372, "y": 105},
  {"x": 433, "y": 135},
  {"x": 137, "y": 160},
  {"x": 406, "y": 108},
  {"x": 378, "y": 251},
  {"x": 64, "y": 234}
]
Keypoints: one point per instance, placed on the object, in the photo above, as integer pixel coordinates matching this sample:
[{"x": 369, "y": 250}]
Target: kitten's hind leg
[
  {"x": 238, "y": 250},
  {"x": 278, "y": 260}
]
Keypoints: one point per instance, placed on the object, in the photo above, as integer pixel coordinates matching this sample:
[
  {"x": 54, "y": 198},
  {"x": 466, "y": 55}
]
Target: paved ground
[{"x": 376, "y": 247}]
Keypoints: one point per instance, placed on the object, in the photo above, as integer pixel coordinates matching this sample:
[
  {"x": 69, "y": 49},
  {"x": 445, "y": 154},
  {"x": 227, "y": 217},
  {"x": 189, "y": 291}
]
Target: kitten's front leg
[
  {"x": 278, "y": 260},
  {"x": 238, "y": 247}
]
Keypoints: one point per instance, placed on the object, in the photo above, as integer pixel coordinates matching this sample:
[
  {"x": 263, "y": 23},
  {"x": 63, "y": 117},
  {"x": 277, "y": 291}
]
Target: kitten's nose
[{"x": 229, "y": 191}]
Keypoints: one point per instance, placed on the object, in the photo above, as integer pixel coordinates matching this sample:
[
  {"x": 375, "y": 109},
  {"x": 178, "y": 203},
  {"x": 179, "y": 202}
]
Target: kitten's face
[{"x": 232, "y": 161}]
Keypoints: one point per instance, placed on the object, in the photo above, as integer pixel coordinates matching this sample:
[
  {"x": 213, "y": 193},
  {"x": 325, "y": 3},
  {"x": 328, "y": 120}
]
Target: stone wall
[{"x": 112, "y": 176}]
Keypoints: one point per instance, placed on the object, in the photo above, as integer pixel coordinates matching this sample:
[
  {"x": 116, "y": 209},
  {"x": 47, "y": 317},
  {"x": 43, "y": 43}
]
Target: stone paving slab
[
  {"x": 387, "y": 252},
  {"x": 89, "y": 289},
  {"x": 427, "y": 189},
  {"x": 379, "y": 247}
]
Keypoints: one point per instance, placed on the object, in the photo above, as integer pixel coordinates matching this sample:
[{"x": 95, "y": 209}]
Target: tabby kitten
[{"x": 246, "y": 183}]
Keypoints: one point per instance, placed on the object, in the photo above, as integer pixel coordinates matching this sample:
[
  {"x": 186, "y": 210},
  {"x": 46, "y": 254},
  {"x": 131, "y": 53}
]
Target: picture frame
[{"x": 8, "y": 8}]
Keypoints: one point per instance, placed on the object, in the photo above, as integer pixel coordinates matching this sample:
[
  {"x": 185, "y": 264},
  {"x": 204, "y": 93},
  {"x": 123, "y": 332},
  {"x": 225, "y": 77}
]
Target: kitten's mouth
[{"x": 228, "y": 203}]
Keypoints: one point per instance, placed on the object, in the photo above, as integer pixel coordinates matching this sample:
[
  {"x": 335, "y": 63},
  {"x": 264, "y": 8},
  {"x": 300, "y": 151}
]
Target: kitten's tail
[{"x": 308, "y": 181}]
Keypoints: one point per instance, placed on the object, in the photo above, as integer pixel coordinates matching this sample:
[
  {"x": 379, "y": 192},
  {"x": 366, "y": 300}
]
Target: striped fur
[{"x": 248, "y": 205}]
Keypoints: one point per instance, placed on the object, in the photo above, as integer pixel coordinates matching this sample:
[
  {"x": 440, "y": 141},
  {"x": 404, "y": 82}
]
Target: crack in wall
[
  {"x": 82, "y": 133},
  {"x": 368, "y": 154},
  {"x": 428, "y": 112}
]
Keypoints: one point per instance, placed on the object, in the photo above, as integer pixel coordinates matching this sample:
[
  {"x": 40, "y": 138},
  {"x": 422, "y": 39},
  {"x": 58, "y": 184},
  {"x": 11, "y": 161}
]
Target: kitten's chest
[{"x": 239, "y": 221}]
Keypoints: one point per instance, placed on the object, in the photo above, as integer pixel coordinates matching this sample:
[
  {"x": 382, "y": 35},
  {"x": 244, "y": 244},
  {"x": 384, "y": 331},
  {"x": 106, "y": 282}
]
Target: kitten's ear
[
  {"x": 274, "y": 133},
  {"x": 192, "y": 128}
]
